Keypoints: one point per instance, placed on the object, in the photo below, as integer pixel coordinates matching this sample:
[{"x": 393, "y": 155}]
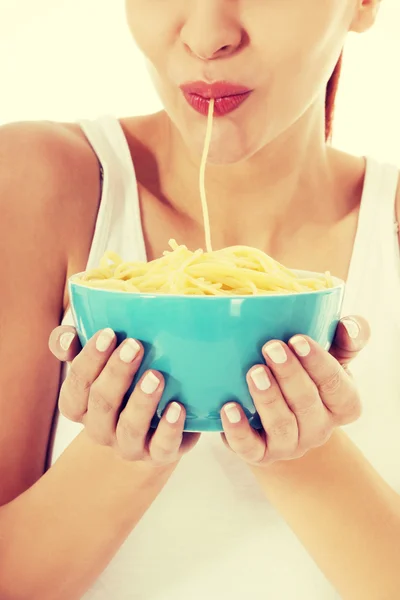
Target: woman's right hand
[{"x": 92, "y": 394}]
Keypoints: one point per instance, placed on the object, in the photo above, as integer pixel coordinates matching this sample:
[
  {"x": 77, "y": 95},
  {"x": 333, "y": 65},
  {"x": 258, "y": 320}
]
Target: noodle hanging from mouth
[{"x": 233, "y": 271}]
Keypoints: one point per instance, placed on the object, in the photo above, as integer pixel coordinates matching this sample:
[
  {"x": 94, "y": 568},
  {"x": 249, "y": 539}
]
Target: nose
[{"x": 211, "y": 29}]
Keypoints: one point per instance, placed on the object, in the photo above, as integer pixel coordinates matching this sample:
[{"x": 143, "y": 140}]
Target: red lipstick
[{"x": 228, "y": 96}]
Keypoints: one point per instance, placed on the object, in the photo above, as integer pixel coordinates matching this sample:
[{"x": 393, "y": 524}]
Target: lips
[{"x": 228, "y": 97}]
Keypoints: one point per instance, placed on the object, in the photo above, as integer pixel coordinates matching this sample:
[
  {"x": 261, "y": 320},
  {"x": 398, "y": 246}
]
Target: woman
[{"x": 300, "y": 512}]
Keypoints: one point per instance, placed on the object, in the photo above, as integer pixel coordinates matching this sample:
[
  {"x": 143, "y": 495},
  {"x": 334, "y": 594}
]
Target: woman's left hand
[{"x": 301, "y": 396}]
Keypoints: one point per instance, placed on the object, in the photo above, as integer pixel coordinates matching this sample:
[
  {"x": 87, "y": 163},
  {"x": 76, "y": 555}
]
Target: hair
[{"x": 331, "y": 90}]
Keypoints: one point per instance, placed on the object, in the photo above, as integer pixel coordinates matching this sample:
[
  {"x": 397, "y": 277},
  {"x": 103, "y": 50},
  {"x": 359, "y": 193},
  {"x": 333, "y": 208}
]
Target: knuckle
[
  {"x": 130, "y": 454},
  {"x": 76, "y": 381},
  {"x": 99, "y": 402},
  {"x": 252, "y": 453},
  {"x": 166, "y": 449},
  {"x": 161, "y": 455},
  {"x": 128, "y": 430},
  {"x": 352, "y": 410},
  {"x": 319, "y": 439},
  {"x": 68, "y": 405},
  {"x": 284, "y": 372},
  {"x": 142, "y": 401},
  {"x": 103, "y": 438},
  {"x": 287, "y": 453},
  {"x": 315, "y": 440},
  {"x": 268, "y": 398},
  {"x": 306, "y": 404},
  {"x": 324, "y": 434},
  {"x": 283, "y": 428},
  {"x": 114, "y": 369},
  {"x": 238, "y": 437},
  {"x": 333, "y": 383}
]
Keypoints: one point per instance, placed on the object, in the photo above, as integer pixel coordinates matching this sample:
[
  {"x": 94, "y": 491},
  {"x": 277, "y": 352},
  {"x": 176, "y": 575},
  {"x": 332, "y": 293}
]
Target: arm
[
  {"x": 37, "y": 198},
  {"x": 343, "y": 512},
  {"x": 57, "y": 536},
  {"x": 347, "y": 517}
]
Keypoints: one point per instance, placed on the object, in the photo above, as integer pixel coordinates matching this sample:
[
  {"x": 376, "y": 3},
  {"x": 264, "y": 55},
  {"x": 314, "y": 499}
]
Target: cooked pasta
[
  {"x": 238, "y": 270},
  {"x": 234, "y": 271}
]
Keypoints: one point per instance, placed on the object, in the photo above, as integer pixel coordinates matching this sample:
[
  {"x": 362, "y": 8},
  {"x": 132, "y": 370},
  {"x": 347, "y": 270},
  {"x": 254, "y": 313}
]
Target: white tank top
[{"x": 211, "y": 534}]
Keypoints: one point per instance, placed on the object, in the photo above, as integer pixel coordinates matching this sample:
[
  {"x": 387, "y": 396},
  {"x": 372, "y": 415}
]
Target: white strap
[{"x": 119, "y": 205}]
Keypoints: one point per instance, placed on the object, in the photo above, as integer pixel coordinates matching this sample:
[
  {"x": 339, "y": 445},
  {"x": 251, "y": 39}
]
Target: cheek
[
  {"x": 300, "y": 47},
  {"x": 151, "y": 26}
]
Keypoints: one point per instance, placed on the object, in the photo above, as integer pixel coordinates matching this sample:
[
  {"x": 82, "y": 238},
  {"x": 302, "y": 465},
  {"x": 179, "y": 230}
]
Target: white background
[{"x": 66, "y": 59}]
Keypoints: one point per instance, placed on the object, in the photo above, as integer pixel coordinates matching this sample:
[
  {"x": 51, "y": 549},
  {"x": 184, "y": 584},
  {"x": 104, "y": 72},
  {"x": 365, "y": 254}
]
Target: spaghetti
[{"x": 238, "y": 270}]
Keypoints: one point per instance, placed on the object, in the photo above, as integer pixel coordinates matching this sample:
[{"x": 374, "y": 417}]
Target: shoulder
[
  {"x": 49, "y": 194},
  {"x": 41, "y": 162},
  {"x": 49, "y": 185}
]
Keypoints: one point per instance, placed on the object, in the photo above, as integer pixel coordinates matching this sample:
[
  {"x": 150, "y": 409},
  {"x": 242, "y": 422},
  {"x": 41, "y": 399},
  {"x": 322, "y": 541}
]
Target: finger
[
  {"x": 277, "y": 418},
  {"x": 300, "y": 393},
  {"x": 83, "y": 371},
  {"x": 135, "y": 420},
  {"x": 165, "y": 444},
  {"x": 352, "y": 335},
  {"x": 241, "y": 437},
  {"x": 64, "y": 343},
  {"x": 336, "y": 389},
  {"x": 108, "y": 390}
]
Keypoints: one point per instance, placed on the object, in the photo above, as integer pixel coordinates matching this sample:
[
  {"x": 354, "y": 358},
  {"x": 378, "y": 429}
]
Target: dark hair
[{"x": 331, "y": 90}]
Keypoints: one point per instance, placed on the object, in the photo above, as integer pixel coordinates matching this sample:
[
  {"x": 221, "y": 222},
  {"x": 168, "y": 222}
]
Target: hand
[
  {"x": 99, "y": 377},
  {"x": 301, "y": 396}
]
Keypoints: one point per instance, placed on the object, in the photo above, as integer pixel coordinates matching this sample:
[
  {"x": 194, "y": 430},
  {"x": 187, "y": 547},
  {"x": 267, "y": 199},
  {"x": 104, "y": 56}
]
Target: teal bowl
[{"x": 204, "y": 346}]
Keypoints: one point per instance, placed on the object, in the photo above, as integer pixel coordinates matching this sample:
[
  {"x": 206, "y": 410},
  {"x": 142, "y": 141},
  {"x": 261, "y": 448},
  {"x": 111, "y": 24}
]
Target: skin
[{"x": 288, "y": 187}]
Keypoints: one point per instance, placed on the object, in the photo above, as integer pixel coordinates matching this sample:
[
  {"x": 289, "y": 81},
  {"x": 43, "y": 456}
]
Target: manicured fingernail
[
  {"x": 173, "y": 413},
  {"x": 276, "y": 352},
  {"x": 66, "y": 340},
  {"x": 149, "y": 383},
  {"x": 129, "y": 350},
  {"x": 352, "y": 328},
  {"x": 233, "y": 413},
  {"x": 260, "y": 379},
  {"x": 104, "y": 340},
  {"x": 300, "y": 345}
]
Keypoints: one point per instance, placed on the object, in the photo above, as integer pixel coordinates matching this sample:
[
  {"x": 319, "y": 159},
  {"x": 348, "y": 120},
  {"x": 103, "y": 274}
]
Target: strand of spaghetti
[{"x": 203, "y": 197}]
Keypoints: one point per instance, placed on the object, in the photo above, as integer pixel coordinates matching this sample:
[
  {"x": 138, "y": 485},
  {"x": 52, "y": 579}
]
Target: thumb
[{"x": 352, "y": 335}]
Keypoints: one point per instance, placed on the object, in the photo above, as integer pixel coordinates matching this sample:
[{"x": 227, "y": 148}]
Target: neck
[{"x": 291, "y": 177}]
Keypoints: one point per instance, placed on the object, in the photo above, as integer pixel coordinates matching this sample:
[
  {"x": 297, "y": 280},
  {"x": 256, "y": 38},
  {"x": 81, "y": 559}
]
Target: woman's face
[{"x": 284, "y": 51}]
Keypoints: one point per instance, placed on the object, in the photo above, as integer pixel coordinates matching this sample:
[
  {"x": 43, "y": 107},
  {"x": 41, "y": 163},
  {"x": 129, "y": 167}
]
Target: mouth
[{"x": 228, "y": 97}]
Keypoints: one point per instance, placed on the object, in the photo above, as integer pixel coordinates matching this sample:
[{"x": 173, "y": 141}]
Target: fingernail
[
  {"x": 276, "y": 352},
  {"x": 352, "y": 328},
  {"x": 66, "y": 340},
  {"x": 233, "y": 413},
  {"x": 300, "y": 345},
  {"x": 149, "y": 383},
  {"x": 260, "y": 379},
  {"x": 173, "y": 413},
  {"x": 104, "y": 340},
  {"x": 129, "y": 350}
]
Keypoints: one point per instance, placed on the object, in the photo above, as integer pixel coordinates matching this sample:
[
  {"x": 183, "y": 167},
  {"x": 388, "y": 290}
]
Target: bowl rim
[{"x": 339, "y": 284}]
